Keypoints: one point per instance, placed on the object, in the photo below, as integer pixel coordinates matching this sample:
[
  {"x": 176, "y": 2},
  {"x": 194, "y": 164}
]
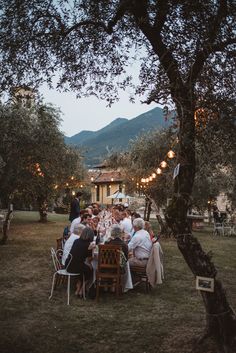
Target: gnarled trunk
[
  {"x": 220, "y": 318},
  {"x": 5, "y": 228},
  {"x": 42, "y": 204}
]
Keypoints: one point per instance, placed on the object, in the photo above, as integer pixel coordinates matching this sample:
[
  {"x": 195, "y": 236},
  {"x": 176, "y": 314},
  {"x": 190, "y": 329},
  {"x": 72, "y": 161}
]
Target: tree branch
[
  {"x": 161, "y": 15},
  {"x": 152, "y": 33},
  {"x": 208, "y": 46},
  {"x": 120, "y": 12}
]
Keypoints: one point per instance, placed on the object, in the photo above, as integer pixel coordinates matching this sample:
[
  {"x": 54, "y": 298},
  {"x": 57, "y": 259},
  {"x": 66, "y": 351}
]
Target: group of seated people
[{"x": 112, "y": 225}]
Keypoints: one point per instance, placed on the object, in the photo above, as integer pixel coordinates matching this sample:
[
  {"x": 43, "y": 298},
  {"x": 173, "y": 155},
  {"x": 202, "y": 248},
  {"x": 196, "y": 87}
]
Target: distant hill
[{"x": 116, "y": 135}]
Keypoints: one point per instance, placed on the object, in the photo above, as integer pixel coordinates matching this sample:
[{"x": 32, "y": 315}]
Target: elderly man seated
[
  {"x": 70, "y": 241},
  {"x": 140, "y": 244}
]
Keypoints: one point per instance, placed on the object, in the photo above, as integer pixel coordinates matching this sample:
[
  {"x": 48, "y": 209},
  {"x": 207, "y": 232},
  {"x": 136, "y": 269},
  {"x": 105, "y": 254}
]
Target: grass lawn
[{"x": 169, "y": 319}]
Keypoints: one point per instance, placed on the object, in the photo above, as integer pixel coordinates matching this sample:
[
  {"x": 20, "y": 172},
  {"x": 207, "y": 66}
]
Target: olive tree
[{"x": 34, "y": 156}]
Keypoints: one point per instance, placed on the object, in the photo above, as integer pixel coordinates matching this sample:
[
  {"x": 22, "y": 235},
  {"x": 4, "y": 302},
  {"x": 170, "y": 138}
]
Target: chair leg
[
  {"x": 117, "y": 288},
  {"x": 147, "y": 286},
  {"x": 53, "y": 283},
  {"x": 83, "y": 288},
  {"x": 68, "y": 290},
  {"x": 97, "y": 290},
  {"x": 58, "y": 281}
]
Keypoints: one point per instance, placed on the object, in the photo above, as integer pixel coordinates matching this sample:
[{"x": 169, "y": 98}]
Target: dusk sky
[{"x": 91, "y": 113}]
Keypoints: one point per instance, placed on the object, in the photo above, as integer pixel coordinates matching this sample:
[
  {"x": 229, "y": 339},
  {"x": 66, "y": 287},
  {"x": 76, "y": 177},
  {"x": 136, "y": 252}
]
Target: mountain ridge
[{"x": 115, "y": 136}]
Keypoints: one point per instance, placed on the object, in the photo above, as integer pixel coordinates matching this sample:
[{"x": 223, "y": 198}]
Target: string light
[
  {"x": 92, "y": 179},
  {"x": 163, "y": 164},
  {"x": 73, "y": 193},
  {"x": 171, "y": 154}
]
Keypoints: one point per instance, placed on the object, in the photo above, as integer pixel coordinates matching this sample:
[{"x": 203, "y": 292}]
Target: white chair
[
  {"x": 62, "y": 273},
  {"x": 218, "y": 229},
  {"x": 228, "y": 229}
]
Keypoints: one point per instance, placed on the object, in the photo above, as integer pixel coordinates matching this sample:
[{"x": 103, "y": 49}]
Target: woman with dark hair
[{"x": 81, "y": 249}]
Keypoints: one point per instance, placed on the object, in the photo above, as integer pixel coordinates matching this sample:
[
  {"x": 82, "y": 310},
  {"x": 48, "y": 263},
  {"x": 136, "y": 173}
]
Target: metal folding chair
[{"x": 62, "y": 273}]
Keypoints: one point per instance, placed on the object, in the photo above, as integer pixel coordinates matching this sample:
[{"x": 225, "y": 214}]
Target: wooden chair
[
  {"x": 60, "y": 244},
  {"x": 139, "y": 273},
  {"x": 108, "y": 271}
]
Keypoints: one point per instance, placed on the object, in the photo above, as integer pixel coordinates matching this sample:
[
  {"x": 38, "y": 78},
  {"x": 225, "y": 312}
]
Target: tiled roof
[{"x": 107, "y": 177}]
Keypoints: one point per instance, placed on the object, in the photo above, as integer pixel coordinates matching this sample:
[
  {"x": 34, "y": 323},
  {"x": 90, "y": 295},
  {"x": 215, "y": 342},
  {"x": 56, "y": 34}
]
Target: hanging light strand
[{"x": 170, "y": 154}]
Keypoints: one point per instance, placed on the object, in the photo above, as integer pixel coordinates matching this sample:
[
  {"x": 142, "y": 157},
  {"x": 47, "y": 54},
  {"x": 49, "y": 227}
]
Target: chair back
[
  {"x": 109, "y": 257},
  {"x": 68, "y": 258},
  {"x": 60, "y": 244},
  {"x": 56, "y": 259}
]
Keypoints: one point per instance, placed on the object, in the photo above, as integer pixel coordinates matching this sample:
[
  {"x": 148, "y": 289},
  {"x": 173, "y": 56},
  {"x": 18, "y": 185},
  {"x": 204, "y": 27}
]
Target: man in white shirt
[
  {"x": 74, "y": 224},
  {"x": 126, "y": 223},
  {"x": 140, "y": 244},
  {"x": 68, "y": 244}
]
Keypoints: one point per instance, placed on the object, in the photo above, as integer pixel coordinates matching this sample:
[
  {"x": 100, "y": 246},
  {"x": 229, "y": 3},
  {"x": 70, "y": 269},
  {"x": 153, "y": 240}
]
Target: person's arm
[
  {"x": 134, "y": 242},
  {"x": 125, "y": 250}
]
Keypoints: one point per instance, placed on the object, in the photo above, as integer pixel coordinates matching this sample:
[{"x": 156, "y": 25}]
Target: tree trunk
[
  {"x": 145, "y": 209},
  {"x": 165, "y": 231},
  {"x": 149, "y": 209},
  {"x": 43, "y": 211},
  {"x": 220, "y": 318},
  {"x": 6, "y": 226}
]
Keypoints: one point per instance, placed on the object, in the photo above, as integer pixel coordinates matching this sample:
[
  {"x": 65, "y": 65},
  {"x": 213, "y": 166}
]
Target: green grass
[{"x": 169, "y": 319}]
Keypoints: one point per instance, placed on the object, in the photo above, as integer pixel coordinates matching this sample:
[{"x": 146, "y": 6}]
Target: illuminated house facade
[{"x": 105, "y": 183}]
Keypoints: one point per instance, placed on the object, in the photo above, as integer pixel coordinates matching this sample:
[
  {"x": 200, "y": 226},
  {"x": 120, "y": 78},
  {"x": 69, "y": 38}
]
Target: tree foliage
[
  {"x": 92, "y": 44},
  {"x": 34, "y": 156}
]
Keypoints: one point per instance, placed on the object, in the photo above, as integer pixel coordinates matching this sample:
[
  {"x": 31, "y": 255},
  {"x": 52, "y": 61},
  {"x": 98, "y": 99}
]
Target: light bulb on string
[
  {"x": 171, "y": 154},
  {"x": 159, "y": 171},
  {"x": 150, "y": 178},
  {"x": 154, "y": 175},
  {"x": 163, "y": 164}
]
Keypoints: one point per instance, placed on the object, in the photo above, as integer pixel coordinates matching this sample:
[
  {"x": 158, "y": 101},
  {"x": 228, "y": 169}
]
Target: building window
[
  {"x": 97, "y": 193},
  {"x": 108, "y": 190}
]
